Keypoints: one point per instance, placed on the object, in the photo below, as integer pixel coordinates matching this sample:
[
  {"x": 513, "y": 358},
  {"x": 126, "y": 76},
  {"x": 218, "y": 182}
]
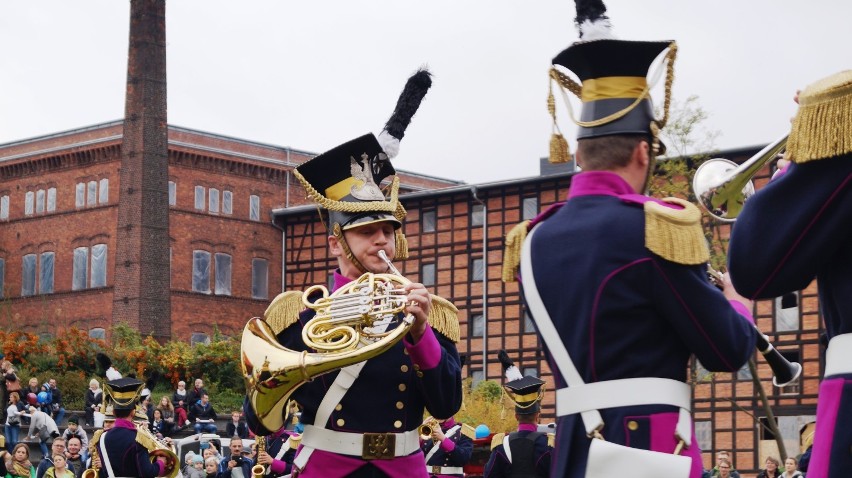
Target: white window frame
[{"x": 200, "y": 198}]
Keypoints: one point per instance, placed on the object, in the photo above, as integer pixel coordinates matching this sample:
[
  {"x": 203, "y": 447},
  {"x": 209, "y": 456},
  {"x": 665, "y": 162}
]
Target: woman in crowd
[
  {"x": 59, "y": 468},
  {"x": 157, "y": 424},
  {"x": 18, "y": 463},
  {"x": 211, "y": 466},
  {"x": 790, "y": 471},
  {"x": 94, "y": 397},
  {"x": 13, "y": 421},
  {"x": 772, "y": 468},
  {"x": 180, "y": 405}
]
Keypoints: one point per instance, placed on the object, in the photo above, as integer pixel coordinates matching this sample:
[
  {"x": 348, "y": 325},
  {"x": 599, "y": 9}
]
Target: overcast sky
[{"x": 312, "y": 74}]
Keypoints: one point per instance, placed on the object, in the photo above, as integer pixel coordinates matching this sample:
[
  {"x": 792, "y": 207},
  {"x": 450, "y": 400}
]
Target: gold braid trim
[
  {"x": 822, "y": 127},
  {"x": 676, "y": 234},
  {"x": 468, "y": 431},
  {"x": 401, "y": 243},
  {"x": 284, "y": 310},
  {"x": 497, "y": 440},
  {"x": 444, "y": 317},
  {"x": 512, "y": 251},
  {"x": 391, "y": 206},
  {"x": 338, "y": 233},
  {"x": 147, "y": 440}
]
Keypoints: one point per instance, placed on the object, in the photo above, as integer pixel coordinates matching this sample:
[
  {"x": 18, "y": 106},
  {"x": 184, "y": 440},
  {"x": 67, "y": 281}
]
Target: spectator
[
  {"x": 75, "y": 430},
  {"x": 57, "y": 448},
  {"x": 771, "y": 470},
  {"x": 13, "y": 421},
  {"x": 187, "y": 463},
  {"x": 59, "y": 468},
  {"x": 18, "y": 465},
  {"x": 43, "y": 425},
  {"x": 179, "y": 402},
  {"x": 157, "y": 424},
  {"x": 211, "y": 467},
  {"x": 76, "y": 456},
  {"x": 167, "y": 413},
  {"x": 33, "y": 386},
  {"x": 790, "y": 471},
  {"x": 237, "y": 426},
  {"x": 210, "y": 450},
  {"x": 197, "y": 468},
  {"x": 203, "y": 414},
  {"x": 194, "y": 395},
  {"x": 723, "y": 455},
  {"x": 94, "y": 397},
  {"x": 10, "y": 381},
  {"x": 57, "y": 410},
  {"x": 235, "y": 466}
]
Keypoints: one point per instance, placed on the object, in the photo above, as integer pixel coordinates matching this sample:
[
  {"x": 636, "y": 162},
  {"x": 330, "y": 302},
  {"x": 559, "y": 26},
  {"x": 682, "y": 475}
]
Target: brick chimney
[{"x": 141, "y": 293}]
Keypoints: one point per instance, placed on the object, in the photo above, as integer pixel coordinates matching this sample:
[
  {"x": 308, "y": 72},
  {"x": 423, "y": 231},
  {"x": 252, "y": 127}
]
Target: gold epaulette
[
  {"x": 821, "y": 128},
  {"x": 497, "y": 440},
  {"x": 146, "y": 440},
  {"x": 512, "y": 251},
  {"x": 294, "y": 440},
  {"x": 284, "y": 310},
  {"x": 675, "y": 234},
  {"x": 444, "y": 317},
  {"x": 468, "y": 431},
  {"x": 551, "y": 439}
]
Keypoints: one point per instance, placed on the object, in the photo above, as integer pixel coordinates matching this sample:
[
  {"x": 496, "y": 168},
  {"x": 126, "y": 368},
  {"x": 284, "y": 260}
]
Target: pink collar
[
  {"x": 527, "y": 427},
  {"x": 122, "y": 423},
  {"x": 340, "y": 280},
  {"x": 599, "y": 183}
]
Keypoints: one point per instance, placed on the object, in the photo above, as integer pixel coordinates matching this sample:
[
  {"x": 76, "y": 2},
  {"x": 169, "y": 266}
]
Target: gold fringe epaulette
[
  {"x": 676, "y": 234},
  {"x": 512, "y": 251},
  {"x": 294, "y": 441},
  {"x": 551, "y": 439},
  {"x": 468, "y": 431},
  {"x": 822, "y": 127},
  {"x": 444, "y": 317},
  {"x": 497, "y": 440},
  {"x": 284, "y": 310},
  {"x": 147, "y": 440}
]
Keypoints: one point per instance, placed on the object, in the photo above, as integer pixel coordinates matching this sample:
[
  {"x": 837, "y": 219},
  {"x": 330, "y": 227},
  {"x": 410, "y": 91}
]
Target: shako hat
[
  {"x": 347, "y": 179},
  {"x": 822, "y": 127},
  {"x": 122, "y": 394},
  {"x": 525, "y": 392},
  {"x": 613, "y": 88}
]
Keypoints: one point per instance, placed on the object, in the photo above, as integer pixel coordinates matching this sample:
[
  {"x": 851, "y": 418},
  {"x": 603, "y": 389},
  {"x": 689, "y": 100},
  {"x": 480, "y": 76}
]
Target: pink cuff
[
  {"x": 741, "y": 309},
  {"x": 278, "y": 466},
  {"x": 162, "y": 467},
  {"x": 448, "y": 445},
  {"x": 781, "y": 172},
  {"x": 426, "y": 353}
]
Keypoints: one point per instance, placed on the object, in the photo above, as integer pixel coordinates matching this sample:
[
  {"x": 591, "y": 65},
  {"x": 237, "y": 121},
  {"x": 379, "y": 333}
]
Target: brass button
[
  {"x": 632, "y": 425},
  {"x": 404, "y": 368},
  {"x": 405, "y": 351},
  {"x": 399, "y": 405},
  {"x": 419, "y": 374},
  {"x": 339, "y": 407},
  {"x": 397, "y": 424},
  {"x": 402, "y": 387},
  {"x": 340, "y": 422}
]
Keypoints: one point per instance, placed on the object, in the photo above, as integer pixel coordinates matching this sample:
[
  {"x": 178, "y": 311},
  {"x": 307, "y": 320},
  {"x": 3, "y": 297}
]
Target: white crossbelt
[
  {"x": 444, "y": 470},
  {"x": 838, "y": 357},
  {"x": 625, "y": 392},
  {"x": 346, "y": 443}
]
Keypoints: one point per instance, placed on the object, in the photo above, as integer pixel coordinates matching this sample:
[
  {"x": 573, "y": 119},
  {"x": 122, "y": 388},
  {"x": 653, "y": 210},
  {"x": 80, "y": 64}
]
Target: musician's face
[{"x": 365, "y": 242}]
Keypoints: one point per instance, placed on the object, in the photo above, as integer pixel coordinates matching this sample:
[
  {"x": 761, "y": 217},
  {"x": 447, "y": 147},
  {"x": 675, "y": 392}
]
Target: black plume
[
  {"x": 409, "y": 100},
  {"x": 504, "y": 359},
  {"x": 589, "y": 10},
  {"x": 104, "y": 361}
]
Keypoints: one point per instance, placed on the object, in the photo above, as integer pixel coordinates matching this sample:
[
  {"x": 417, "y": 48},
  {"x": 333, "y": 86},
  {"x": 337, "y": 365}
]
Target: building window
[
  {"x": 2, "y": 278},
  {"x": 478, "y": 269},
  {"x": 80, "y": 268},
  {"x": 227, "y": 202},
  {"x": 81, "y": 278},
  {"x": 477, "y": 216},
  {"x": 28, "y": 275},
  {"x": 91, "y": 193},
  {"x": 744, "y": 373},
  {"x": 39, "y": 201},
  {"x": 199, "y": 338},
  {"x": 199, "y": 198},
  {"x": 51, "y": 199},
  {"x": 701, "y": 372},
  {"x": 529, "y": 325},
  {"x": 477, "y": 377},
  {"x": 99, "y": 265},
  {"x": 97, "y": 333},
  {"x": 529, "y": 208},
  {"x": 254, "y": 207},
  {"x": 259, "y": 278},
  {"x": 213, "y": 203},
  {"x": 80, "y": 195},
  {"x": 787, "y": 312},
  {"x": 704, "y": 434},
  {"x": 103, "y": 191},
  {"x": 427, "y": 274},
  {"x": 223, "y": 274},
  {"x": 201, "y": 271},
  {"x": 4, "y": 207},
  {"x": 45, "y": 277},
  {"x": 530, "y": 372},
  {"x": 172, "y": 193},
  {"x": 428, "y": 221},
  {"x": 477, "y": 326},
  {"x": 29, "y": 203}
]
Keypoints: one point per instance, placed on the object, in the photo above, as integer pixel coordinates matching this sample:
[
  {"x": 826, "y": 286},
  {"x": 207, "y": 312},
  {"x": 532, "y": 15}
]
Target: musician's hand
[
  {"x": 96, "y": 461},
  {"x": 731, "y": 293},
  {"x": 264, "y": 459},
  {"x": 437, "y": 434},
  {"x": 419, "y": 305}
]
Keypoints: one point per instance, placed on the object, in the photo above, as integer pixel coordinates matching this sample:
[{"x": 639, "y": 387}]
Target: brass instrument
[
  {"x": 93, "y": 471},
  {"x": 341, "y": 332},
  {"x": 257, "y": 471},
  {"x": 722, "y": 188},
  {"x": 427, "y": 428},
  {"x": 157, "y": 449},
  {"x": 784, "y": 372}
]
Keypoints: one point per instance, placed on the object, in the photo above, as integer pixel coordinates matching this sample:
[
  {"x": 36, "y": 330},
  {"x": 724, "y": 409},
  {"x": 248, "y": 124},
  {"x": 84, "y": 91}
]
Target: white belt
[
  {"x": 444, "y": 470},
  {"x": 838, "y": 357},
  {"x": 626, "y": 392},
  {"x": 365, "y": 445}
]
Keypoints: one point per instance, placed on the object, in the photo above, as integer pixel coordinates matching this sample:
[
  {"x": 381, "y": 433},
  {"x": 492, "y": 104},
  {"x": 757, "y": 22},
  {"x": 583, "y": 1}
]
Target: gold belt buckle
[
  {"x": 436, "y": 470},
  {"x": 379, "y": 446}
]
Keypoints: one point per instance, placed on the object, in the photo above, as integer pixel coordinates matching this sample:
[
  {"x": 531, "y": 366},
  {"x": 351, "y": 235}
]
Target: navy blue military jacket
[
  {"x": 457, "y": 457},
  {"x": 389, "y": 394},
  {"x": 126, "y": 455},
  {"x": 498, "y": 465},
  {"x": 624, "y": 312}
]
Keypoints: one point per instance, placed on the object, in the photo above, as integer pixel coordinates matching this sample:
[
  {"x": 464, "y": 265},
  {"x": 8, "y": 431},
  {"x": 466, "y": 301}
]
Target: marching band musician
[
  {"x": 365, "y": 423},
  {"x": 119, "y": 449},
  {"x": 525, "y": 452},
  {"x": 277, "y": 455},
  {"x": 448, "y": 450},
  {"x": 638, "y": 284},
  {"x": 797, "y": 229}
]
